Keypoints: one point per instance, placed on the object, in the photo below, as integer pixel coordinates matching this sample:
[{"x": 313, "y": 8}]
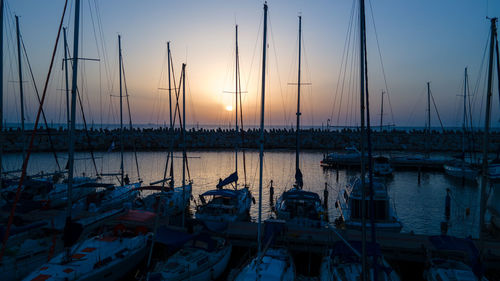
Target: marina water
[{"x": 419, "y": 206}]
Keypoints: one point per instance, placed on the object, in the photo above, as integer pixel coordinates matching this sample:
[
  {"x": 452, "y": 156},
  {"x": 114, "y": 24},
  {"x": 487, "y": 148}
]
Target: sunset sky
[{"x": 419, "y": 41}]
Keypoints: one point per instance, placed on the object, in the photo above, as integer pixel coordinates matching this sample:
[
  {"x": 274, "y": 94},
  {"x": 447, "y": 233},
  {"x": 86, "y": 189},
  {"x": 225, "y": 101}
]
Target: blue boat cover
[
  {"x": 221, "y": 192},
  {"x": 172, "y": 238},
  {"x": 232, "y": 178},
  {"x": 299, "y": 194},
  {"x": 215, "y": 226}
]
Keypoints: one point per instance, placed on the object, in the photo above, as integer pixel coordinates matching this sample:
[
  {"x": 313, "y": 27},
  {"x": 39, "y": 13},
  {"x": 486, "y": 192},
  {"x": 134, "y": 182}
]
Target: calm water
[{"x": 420, "y": 207}]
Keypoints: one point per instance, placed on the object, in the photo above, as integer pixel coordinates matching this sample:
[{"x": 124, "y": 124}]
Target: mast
[
  {"x": 171, "y": 121},
  {"x": 71, "y": 159},
  {"x": 428, "y": 135},
  {"x": 236, "y": 106},
  {"x": 489, "y": 93},
  {"x": 121, "y": 106},
  {"x": 183, "y": 136},
  {"x": 66, "y": 77},
  {"x": 21, "y": 92},
  {"x": 464, "y": 125},
  {"x": 382, "y": 111},
  {"x": 261, "y": 152},
  {"x": 362, "y": 139},
  {"x": 297, "y": 140},
  {"x": 1, "y": 92}
]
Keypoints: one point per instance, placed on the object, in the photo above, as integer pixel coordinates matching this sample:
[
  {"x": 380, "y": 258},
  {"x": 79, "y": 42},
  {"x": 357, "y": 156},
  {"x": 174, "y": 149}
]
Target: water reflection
[{"x": 419, "y": 206}]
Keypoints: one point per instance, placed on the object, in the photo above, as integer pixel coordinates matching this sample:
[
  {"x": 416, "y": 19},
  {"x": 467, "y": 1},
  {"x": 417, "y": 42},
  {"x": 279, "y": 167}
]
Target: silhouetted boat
[{"x": 350, "y": 199}]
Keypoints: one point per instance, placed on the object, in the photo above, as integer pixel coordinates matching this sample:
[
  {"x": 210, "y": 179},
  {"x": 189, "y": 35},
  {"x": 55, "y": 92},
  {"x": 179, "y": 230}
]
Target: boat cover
[
  {"x": 232, "y": 178},
  {"x": 172, "y": 238},
  {"x": 221, "y": 192},
  {"x": 298, "y": 194}
]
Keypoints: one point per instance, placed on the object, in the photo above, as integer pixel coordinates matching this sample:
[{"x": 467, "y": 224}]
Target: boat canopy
[
  {"x": 298, "y": 194},
  {"x": 171, "y": 237},
  {"x": 221, "y": 192},
  {"x": 232, "y": 178}
]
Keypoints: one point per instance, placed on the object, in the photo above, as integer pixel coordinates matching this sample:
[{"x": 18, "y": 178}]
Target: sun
[{"x": 229, "y": 108}]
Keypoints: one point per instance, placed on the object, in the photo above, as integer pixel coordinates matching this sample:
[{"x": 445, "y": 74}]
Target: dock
[
  {"x": 404, "y": 247},
  {"x": 397, "y": 162}
]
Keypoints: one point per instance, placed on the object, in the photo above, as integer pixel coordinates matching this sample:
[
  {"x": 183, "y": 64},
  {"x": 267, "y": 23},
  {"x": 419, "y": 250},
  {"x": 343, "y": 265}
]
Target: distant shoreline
[{"x": 199, "y": 139}]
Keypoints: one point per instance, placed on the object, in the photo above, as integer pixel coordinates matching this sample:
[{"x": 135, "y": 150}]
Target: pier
[{"x": 400, "y": 247}]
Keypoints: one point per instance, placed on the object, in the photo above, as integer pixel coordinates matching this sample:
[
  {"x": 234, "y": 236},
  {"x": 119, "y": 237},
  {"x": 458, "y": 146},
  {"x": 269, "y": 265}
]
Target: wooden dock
[{"x": 406, "y": 247}]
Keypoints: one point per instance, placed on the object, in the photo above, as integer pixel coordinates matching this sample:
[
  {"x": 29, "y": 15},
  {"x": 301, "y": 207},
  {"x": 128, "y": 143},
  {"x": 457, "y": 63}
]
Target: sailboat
[
  {"x": 270, "y": 263},
  {"x": 349, "y": 260},
  {"x": 226, "y": 204},
  {"x": 342, "y": 263},
  {"x": 202, "y": 257},
  {"x": 296, "y": 205},
  {"x": 350, "y": 203},
  {"x": 460, "y": 168},
  {"x": 171, "y": 200},
  {"x": 114, "y": 197},
  {"x": 104, "y": 256}
]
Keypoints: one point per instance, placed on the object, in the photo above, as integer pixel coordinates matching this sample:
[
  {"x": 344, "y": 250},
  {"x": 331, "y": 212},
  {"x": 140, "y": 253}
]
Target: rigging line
[
  {"x": 277, "y": 69},
  {"x": 99, "y": 56},
  {"x": 478, "y": 81},
  {"x": 309, "y": 78},
  {"x": 32, "y": 138},
  {"x": 242, "y": 129},
  {"x": 89, "y": 142},
  {"x": 104, "y": 47},
  {"x": 437, "y": 112},
  {"x": 498, "y": 67},
  {"x": 343, "y": 66},
  {"x": 381, "y": 61},
  {"x": 51, "y": 143},
  {"x": 130, "y": 122}
]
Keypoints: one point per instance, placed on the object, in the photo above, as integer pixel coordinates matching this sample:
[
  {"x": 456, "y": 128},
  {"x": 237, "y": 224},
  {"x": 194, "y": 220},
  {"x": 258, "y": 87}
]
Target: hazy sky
[{"x": 419, "y": 41}]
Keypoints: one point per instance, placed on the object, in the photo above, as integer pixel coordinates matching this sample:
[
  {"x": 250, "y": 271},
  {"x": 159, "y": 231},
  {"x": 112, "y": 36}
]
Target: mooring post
[{"x": 419, "y": 175}]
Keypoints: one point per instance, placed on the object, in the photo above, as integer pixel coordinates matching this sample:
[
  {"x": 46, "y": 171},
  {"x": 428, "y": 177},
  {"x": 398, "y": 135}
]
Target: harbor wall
[{"x": 311, "y": 139}]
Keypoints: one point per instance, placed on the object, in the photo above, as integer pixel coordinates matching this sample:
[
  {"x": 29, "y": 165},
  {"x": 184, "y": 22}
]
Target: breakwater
[{"x": 314, "y": 139}]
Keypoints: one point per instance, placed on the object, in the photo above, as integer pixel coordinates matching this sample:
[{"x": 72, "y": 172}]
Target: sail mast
[
  {"x": 121, "y": 106},
  {"x": 183, "y": 136},
  {"x": 66, "y": 76},
  {"x": 297, "y": 140},
  {"x": 362, "y": 139},
  {"x": 21, "y": 92},
  {"x": 171, "y": 121},
  {"x": 382, "y": 111},
  {"x": 464, "y": 124},
  {"x": 261, "y": 152},
  {"x": 428, "y": 135},
  {"x": 1, "y": 91},
  {"x": 236, "y": 68},
  {"x": 489, "y": 93},
  {"x": 74, "y": 81}
]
